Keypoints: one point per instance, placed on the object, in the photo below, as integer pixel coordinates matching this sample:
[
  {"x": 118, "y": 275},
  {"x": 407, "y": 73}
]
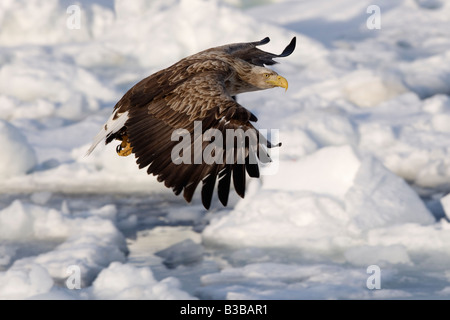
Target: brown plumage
[{"x": 199, "y": 89}]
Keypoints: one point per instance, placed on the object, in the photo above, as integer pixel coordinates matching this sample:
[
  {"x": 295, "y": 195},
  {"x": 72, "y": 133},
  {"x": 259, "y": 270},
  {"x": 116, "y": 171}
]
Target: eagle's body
[{"x": 197, "y": 89}]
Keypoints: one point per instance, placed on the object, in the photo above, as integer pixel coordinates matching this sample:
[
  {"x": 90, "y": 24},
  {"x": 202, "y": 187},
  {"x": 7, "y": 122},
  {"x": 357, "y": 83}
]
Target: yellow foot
[{"x": 124, "y": 149}]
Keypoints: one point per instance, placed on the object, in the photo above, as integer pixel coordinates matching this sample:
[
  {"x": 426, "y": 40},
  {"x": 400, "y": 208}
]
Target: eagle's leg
[{"x": 124, "y": 149}]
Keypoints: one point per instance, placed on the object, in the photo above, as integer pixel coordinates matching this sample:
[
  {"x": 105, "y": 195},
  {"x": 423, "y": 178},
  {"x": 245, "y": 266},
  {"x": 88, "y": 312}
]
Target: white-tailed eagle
[{"x": 199, "y": 89}]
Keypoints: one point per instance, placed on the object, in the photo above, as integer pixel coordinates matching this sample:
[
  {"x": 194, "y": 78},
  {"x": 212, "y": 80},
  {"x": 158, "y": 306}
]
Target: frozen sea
[{"x": 355, "y": 207}]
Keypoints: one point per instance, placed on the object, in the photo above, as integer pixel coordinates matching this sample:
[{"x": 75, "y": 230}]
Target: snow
[
  {"x": 120, "y": 281},
  {"x": 184, "y": 252},
  {"x": 18, "y": 157},
  {"x": 362, "y": 177},
  {"x": 360, "y": 195}
]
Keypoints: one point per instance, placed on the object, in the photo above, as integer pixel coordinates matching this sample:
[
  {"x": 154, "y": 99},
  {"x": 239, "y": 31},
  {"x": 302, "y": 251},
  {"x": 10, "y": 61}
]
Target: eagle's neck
[{"x": 240, "y": 80}]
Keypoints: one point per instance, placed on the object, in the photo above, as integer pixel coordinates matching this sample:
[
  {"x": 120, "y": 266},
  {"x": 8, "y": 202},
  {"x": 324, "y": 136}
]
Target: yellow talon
[{"x": 125, "y": 149}]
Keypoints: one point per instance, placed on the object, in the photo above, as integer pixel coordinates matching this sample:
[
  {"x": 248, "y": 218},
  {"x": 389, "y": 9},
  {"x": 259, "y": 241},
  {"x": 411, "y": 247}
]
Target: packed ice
[{"x": 361, "y": 179}]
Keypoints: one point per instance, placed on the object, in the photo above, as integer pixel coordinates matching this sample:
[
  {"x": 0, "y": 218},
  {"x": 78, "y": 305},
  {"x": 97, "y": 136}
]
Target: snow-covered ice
[
  {"x": 19, "y": 157},
  {"x": 362, "y": 179}
]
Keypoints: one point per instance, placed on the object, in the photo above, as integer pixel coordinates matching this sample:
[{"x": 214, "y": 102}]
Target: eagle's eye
[{"x": 266, "y": 75}]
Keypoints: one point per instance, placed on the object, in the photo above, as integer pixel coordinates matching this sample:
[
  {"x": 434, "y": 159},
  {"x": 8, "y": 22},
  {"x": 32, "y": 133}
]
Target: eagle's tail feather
[{"x": 114, "y": 124}]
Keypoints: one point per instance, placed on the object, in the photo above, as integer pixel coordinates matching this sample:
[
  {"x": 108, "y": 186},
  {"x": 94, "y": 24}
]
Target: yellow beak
[{"x": 278, "y": 81}]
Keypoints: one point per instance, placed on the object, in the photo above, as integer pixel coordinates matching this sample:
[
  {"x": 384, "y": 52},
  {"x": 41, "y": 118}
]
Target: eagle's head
[
  {"x": 263, "y": 78},
  {"x": 271, "y": 79}
]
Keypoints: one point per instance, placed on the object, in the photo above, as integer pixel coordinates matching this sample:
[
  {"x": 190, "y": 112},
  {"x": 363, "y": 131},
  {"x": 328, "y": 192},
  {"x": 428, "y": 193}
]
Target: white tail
[{"x": 110, "y": 127}]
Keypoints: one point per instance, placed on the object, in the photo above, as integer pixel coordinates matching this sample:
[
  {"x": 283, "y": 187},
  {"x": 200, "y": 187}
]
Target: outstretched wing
[
  {"x": 201, "y": 100},
  {"x": 249, "y": 52}
]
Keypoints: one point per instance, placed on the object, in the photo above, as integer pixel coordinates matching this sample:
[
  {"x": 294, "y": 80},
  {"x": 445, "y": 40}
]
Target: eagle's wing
[
  {"x": 154, "y": 116},
  {"x": 249, "y": 52}
]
